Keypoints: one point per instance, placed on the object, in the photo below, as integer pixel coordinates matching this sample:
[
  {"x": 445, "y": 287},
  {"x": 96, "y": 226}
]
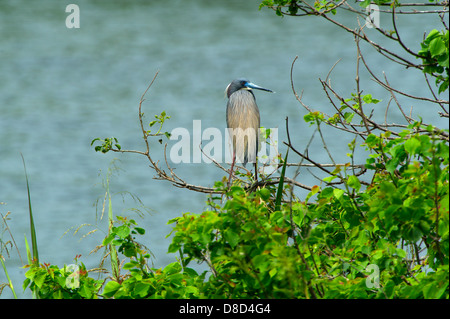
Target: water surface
[{"x": 60, "y": 88}]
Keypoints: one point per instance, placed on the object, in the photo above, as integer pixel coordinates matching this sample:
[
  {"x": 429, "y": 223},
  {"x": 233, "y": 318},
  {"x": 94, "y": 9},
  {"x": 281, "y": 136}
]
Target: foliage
[
  {"x": 73, "y": 281},
  {"x": 70, "y": 282},
  {"x": 434, "y": 54},
  {"x": 112, "y": 143},
  {"x": 354, "y": 242},
  {"x": 107, "y": 144},
  {"x": 142, "y": 281},
  {"x": 160, "y": 119},
  {"x": 322, "y": 6},
  {"x": 168, "y": 283},
  {"x": 328, "y": 249},
  {"x": 434, "y": 51}
]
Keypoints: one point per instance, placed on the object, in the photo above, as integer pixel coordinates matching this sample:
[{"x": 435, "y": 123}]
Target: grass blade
[
  {"x": 7, "y": 277},
  {"x": 32, "y": 228},
  {"x": 27, "y": 248},
  {"x": 112, "y": 249},
  {"x": 280, "y": 185}
]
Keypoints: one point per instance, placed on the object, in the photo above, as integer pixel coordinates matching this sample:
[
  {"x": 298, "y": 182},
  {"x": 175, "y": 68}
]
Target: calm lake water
[{"x": 60, "y": 88}]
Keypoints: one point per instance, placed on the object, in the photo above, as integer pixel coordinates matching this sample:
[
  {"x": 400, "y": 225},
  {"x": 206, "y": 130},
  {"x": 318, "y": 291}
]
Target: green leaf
[
  {"x": 39, "y": 277},
  {"x": 94, "y": 140},
  {"x": 437, "y": 46},
  {"x": 368, "y": 99},
  {"x": 130, "y": 265},
  {"x": 412, "y": 145},
  {"x": 327, "y": 192},
  {"x": 172, "y": 268},
  {"x": 433, "y": 291},
  {"x": 141, "y": 289},
  {"x": 309, "y": 118},
  {"x": 231, "y": 237},
  {"x": 443, "y": 60},
  {"x": 122, "y": 231},
  {"x": 108, "y": 239},
  {"x": 348, "y": 116},
  {"x": 372, "y": 140},
  {"x": 141, "y": 231},
  {"x": 400, "y": 252},
  {"x": 273, "y": 272},
  {"x": 444, "y": 86},
  {"x": 173, "y": 248},
  {"x": 110, "y": 289},
  {"x": 85, "y": 292},
  {"x": 338, "y": 193},
  {"x": 264, "y": 193},
  {"x": 354, "y": 183},
  {"x": 329, "y": 179},
  {"x": 26, "y": 283}
]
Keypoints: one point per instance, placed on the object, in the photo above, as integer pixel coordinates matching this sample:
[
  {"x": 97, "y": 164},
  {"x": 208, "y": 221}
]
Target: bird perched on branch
[{"x": 243, "y": 121}]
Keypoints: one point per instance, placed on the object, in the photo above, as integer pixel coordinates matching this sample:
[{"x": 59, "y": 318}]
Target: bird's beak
[{"x": 250, "y": 85}]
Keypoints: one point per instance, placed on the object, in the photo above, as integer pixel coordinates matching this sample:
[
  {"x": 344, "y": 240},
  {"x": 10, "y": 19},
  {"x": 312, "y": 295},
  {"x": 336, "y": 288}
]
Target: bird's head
[{"x": 243, "y": 84}]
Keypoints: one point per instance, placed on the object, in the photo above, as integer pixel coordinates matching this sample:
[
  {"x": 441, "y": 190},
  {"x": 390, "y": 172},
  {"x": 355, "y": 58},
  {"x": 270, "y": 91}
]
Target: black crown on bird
[{"x": 242, "y": 83}]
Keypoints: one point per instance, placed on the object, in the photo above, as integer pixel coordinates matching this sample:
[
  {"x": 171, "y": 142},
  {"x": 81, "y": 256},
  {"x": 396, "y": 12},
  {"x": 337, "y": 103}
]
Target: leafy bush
[
  {"x": 329, "y": 249},
  {"x": 386, "y": 240},
  {"x": 435, "y": 56},
  {"x": 50, "y": 282}
]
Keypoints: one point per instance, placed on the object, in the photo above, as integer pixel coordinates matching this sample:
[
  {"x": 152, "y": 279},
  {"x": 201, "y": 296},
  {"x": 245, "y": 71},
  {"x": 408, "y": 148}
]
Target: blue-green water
[{"x": 60, "y": 88}]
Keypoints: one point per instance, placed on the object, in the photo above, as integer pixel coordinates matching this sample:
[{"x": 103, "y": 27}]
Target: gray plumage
[{"x": 243, "y": 120}]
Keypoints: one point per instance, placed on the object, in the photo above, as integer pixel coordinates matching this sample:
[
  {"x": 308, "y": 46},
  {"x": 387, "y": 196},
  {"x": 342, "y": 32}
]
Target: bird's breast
[{"x": 242, "y": 111}]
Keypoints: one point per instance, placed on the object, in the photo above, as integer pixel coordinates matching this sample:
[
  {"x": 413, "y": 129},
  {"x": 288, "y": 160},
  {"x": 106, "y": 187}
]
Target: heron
[{"x": 243, "y": 121}]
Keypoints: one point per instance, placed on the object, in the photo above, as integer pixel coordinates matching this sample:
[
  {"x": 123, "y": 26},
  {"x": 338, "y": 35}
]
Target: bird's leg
[
  {"x": 256, "y": 172},
  {"x": 231, "y": 170}
]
